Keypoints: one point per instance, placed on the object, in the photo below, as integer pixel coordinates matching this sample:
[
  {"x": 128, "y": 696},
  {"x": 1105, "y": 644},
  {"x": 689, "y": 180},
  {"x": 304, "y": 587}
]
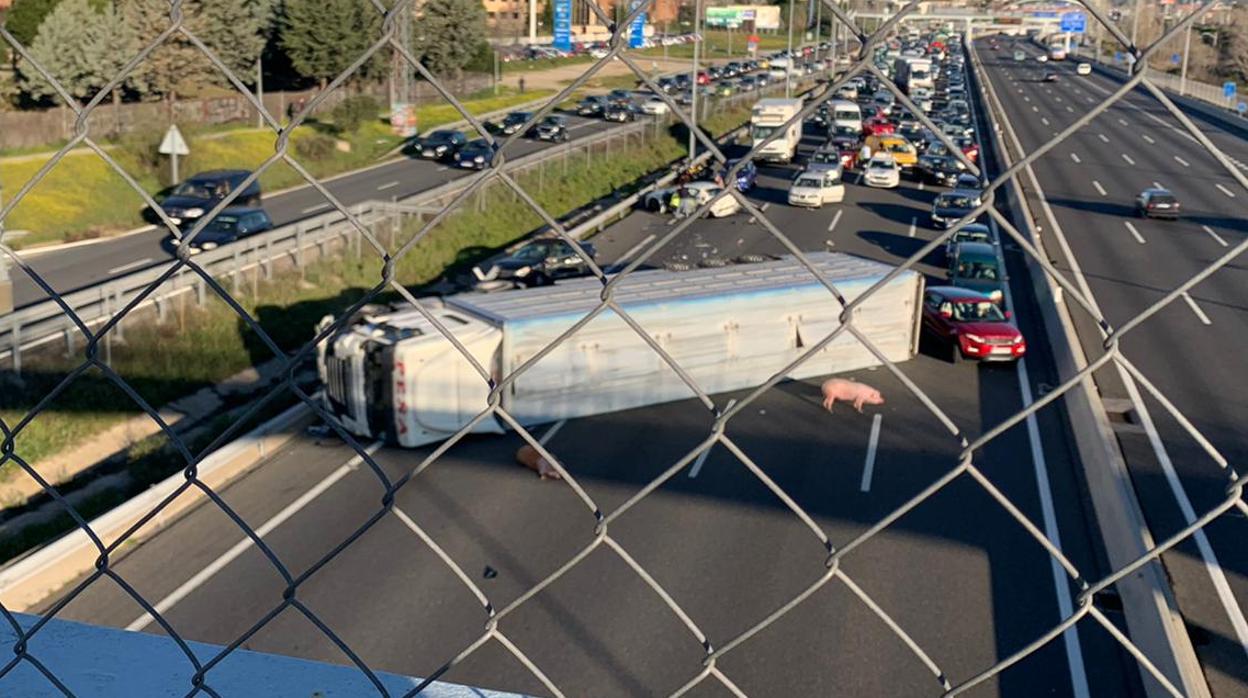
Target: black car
[
  {"x": 951, "y": 206},
  {"x": 537, "y": 263},
  {"x": 230, "y": 225},
  {"x": 553, "y": 128},
  {"x": 940, "y": 169},
  {"x": 441, "y": 145},
  {"x": 475, "y": 155},
  {"x": 515, "y": 121},
  {"x": 191, "y": 199},
  {"x": 1157, "y": 203},
  {"x": 668, "y": 85},
  {"x": 593, "y": 105},
  {"x": 844, "y": 138},
  {"x": 620, "y": 112},
  {"x": 620, "y": 96}
]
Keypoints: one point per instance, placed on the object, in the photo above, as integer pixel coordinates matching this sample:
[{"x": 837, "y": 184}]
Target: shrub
[
  {"x": 354, "y": 111},
  {"x": 314, "y": 147}
]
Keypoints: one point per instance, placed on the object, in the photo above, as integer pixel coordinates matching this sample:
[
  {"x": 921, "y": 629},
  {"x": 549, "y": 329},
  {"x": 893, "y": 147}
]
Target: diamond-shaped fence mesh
[{"x": 599, "y": 520}]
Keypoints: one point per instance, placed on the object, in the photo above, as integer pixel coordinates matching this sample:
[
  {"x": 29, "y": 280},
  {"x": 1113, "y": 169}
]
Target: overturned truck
[{"x": 395, "y": 377}]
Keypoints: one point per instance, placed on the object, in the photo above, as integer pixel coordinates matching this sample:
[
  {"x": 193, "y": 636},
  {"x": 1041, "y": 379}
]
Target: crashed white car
[
  {"x": 813, "y": 189},
  {"x": 659, "y": 200}
]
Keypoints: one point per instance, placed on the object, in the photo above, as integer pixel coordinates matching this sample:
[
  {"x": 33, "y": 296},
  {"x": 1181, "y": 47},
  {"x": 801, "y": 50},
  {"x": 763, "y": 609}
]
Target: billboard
[
  {"x": 563, "y": 25},
  {"x": 763, "y": 16}
]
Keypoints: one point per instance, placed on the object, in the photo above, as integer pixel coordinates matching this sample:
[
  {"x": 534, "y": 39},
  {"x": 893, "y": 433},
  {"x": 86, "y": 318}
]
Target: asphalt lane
[
  {"x": 957, "y": 573},
  {"x": 75, "y": 268},
  {"x": 1131, "y": 263}
]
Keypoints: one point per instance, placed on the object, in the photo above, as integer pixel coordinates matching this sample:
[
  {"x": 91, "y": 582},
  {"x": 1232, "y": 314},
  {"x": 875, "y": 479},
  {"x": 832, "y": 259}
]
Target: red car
[
  {"x": 878, "y": 126},
  {"x": 704, "y": 78},
  {"x": 970, "y": 148},
  {"x": 971, "y": 325}
]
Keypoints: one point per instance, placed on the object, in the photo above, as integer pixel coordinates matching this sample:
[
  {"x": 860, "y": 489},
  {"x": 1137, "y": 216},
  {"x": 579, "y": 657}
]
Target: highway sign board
[
  {"x": 1074, "y": 23},
  {"x": 563, "y": 25},
  {"x": 637, "y": 37}
]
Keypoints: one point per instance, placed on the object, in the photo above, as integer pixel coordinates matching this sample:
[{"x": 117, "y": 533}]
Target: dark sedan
[
  {"x": 441, "y": 145},
  {"x": 475, "y": 156},
  {"x": 229, "y": 226},
  {"x": 537, "y": 263}
]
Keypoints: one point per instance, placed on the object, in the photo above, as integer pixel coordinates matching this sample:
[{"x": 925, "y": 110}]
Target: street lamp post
[
  {"x": 693, "y": 103},
  {"x": 788, "y": 72},
  {"x": 1187, "y": 50}
]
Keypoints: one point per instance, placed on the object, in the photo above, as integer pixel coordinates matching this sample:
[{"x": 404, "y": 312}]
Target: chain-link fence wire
[{"x": 601, "y": 521}]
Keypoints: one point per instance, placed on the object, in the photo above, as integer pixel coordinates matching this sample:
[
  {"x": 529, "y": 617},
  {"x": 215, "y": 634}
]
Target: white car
[
  {"x": 1083, "y": 69},
  {"x": 654, "y": 105},
  {"x": 813, "y": 189},
  {"x": 882, "y": 172},
  {"x": 659, "y": 200}
]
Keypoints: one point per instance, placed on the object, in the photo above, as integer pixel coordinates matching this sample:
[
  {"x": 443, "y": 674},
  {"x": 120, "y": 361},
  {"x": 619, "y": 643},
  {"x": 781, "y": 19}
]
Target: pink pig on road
[{"x": 848, "y": 391}]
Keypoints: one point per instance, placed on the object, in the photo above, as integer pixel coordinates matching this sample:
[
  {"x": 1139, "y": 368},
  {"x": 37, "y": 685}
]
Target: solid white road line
[
  {"x": 387, "y": 185},
  {"x": 1075, "y": 157},
  {"x": 314, "y": 209},
  {"x": 132, "y": 265},
  {"x": 550, "y": 433},
  {"x": 1099, "y": 189},
  {"x": 1149, "y": 139},
  {"x": 628, "y": 256},
  {"x": 835, "y": 219},
  {"x": 913, "y": 224},
  {"x": 701, "y": 459},
  {"x": 1214, "y": 235},
  {"x": 873, "y": 442},
  {"x": 1224, "y": 190},
  {"x": 246, "y": 543},
  {"x": 1103, "y": 137},
  {"x": 1134, "y": 233},
  {"x": 1181, "y": 161},
  {"x": 1128, "y": 159},
  {"x": 1200, "y": 314}
]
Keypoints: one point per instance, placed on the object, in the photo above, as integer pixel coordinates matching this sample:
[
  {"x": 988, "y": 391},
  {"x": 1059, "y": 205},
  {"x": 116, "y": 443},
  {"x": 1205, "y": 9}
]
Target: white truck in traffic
[
  {"x": 395, "y": 377},
  {"x": 769, "y": 116}
]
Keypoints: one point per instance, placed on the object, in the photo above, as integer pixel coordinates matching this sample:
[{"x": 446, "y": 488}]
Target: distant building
[{"x": 511, "y": 17}]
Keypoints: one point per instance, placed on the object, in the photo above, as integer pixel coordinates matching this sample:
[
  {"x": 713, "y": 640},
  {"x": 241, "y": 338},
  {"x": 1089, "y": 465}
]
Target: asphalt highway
[
  {"x": 78, "y": 267},
  {"x": 963, "y": 579},
  {"x": 1191, "y": 349}
]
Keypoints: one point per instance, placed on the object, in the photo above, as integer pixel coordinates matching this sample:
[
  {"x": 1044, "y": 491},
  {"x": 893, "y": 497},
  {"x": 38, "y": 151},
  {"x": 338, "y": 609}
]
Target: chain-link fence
[{"x": 495, "y": 629}]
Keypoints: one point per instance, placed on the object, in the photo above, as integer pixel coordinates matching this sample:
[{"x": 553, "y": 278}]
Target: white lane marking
[
  {"x": 550, "y": 433},
  {"x": 835, "y": 219},
  {"x": 1214, "y": 235},
  {"x": 1149, "y": 139},
  {"x": 387, "y": 185},
  {"x": 1157, "y": 185},
  {"x": 913, "y": 224},
  {"x": 1070, "y": 109},
  {"x": 1224, "y": 190},
  {"x": 697, "y": 464},
  {"x": 1044, "y": 121},
  {"x": 628, "y": 256},
  {"x": 1134, "y": 233},
  {"x": 1091, "y": 100},
  {"x": 1123, "y": 122},
  {"x": 1128, "y": 159},
  {"x": 314, "y": 209},
  {"x": 132, "y": 265},
  {"x": 922, "y": 186},
  {"x": 243, "y": 545},
  {"x": 1035, "y": 109},
  {"x": 1181, "y": 161},
  {"x": 1025, "y": 98},
  {"x": 1103, "y": 137},
  {"x": 1059, "y": 99},
  {"x": 1075, "y": 157},
  {"x": 873, "y": 442},
  {"x": 1200, "y": 314},
  {"x": 444, "y": 168},
  {"x": 1099, "y": 189}
]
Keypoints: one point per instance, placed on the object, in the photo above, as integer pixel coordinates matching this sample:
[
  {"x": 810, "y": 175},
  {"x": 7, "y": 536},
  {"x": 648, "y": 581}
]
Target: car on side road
[
  {"x": 1158, "y": 203},
  {"x": 813, "y": 189},
  {"x": 191, "y": 199},
  {"x": 475, "y": 156},
  {"x": 553, "y": 128},
  {"x": 592, "y": 105},
  {"x": 231, "y": 225},
  {"x": 975, "y": 265},
  {"x": 971, "y": 325},
  {"x": 443, "y": 144},
  {"x": 537, "y": 263},
  {"x": 620, "y": 113},
  {"x": 514, "y": 121},
  {"x": 654, "y": 105}
]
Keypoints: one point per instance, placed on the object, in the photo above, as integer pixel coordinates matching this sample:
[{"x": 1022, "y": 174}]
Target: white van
[{"x": 847, "y": 114}]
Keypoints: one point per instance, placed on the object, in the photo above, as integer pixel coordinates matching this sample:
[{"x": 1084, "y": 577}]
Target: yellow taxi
[{"x": 904, "y": 154}]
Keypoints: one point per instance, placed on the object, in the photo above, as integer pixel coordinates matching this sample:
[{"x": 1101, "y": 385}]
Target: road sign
[
  {"x": 1044, "y": 15},
  {"x": 173, "y": 143},
  {"x": 1118, "y": 57},
  {"x": 637, "y": 37},
  {"x": 1241, "y": 108},
  {"x": 563, "y": 25},
  {"x": 1074, "y": 23},
  {"x": 1176, "y": 58},
  {"x": 1229, "y": 89}
]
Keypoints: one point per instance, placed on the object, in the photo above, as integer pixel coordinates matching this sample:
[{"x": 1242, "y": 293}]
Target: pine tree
[
  {"x": 24, "y": 18},
  {"x": 81, "y": 47},
  {"x": 449, "y": 34},
  {"x": 177, "y": 66},
  {"x": 324, "y": 37},
  {"x": 237, "y": 31}
]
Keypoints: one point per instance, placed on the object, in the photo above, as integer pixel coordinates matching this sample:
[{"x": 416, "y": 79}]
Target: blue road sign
[
  {"x": 1044, "y": 15},
  {"x": 563, "y": 25},
  {"x": 1241, "y": 107},
  {"x": 1118, "y": 57},
  {"x": 1176, "y": 58},
  {"x": 637, "y": 38},
  {"x": 1074, "y": 23},
  {"x": 1229, "y": 89}
]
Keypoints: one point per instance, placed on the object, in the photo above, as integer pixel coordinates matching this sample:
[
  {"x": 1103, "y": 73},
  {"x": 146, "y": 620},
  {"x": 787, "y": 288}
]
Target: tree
[
  {"x": 324, "y": 37},
  {"x": 237, "y": 31},
  {"x": 176, "y": 67},
  {"x": 82, "y": 48},
  {"x": 24, "y": 18},
  {"x": 448, "y": 34}
]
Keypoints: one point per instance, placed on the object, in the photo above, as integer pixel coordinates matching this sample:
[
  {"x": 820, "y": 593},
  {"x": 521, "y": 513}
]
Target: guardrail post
[
  {"x": 16, "y": 351},
  {"x": 255, "y": 277},
  {"x": 162, "y": 310},
  {"x": 268, "y": 259},
  {"x": 201, "y": 291},
  {"x": 121, "y": 333},
  {"x": 299, "y": 248},
  {"x": 108, "y": 336},
  {"x": 238, "y": 269},
  {"x": 69, "y": 337}
]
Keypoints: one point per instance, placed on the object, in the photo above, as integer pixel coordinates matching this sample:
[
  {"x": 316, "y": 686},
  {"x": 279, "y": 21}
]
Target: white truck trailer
[
  {"x": 769, "y": 116},
  {"x": 395, "y": 377}
]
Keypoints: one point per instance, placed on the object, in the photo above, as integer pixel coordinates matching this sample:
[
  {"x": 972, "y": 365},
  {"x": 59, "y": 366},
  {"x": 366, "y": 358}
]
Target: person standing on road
[
  {"x": 864, "y": 155},
  {"x": 674, "y": 203},
  {"x": 521, "y": 84}
]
